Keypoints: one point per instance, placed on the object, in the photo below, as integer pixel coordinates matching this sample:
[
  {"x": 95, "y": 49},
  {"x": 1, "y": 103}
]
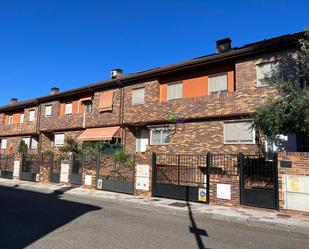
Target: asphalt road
[{"x": 39, "y": 220}]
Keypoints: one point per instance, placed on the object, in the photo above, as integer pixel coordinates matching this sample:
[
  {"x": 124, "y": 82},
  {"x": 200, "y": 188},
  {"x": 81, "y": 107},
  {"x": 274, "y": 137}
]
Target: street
[{"x": 31, "y": 219}]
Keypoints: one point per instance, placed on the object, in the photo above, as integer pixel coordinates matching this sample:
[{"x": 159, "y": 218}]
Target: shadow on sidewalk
[{"x": 27, "y": 216}]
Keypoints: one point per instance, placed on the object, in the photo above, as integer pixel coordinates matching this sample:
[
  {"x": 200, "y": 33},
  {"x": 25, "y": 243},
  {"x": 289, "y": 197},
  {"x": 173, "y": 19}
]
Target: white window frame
[
  {"x": 142, "y": 141},
  {"x": 86, "y": 103},
  {"x": 27, "y": 141},
  {"x": 5, "y": 143},
  {"x": 11, "y": 120},
  {"x": 58, "y": 144},
  {"x": 173, "y": 84},
  {"x": 161, "y": 139},
  {"x": 48, "y": 110},
  {"x": 21, "y": 118},
  {"x": 216, "y": 75},
  {"x": 134, "y": 91},
  {"x": 32, "y": 143},
  {"x": 257, "y": 66},
  {"x": 68, "y": 108},
  {"x": 31, "y": 117},
  {"x": 238, "y": 142}
]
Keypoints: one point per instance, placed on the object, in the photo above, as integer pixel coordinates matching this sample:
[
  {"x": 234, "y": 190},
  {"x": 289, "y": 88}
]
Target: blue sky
[{"x": 70, "y": 43}]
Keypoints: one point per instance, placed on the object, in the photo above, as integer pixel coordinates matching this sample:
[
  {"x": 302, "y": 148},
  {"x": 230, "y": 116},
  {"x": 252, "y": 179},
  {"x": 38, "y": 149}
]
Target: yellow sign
[{"x": 202, "y": 195}]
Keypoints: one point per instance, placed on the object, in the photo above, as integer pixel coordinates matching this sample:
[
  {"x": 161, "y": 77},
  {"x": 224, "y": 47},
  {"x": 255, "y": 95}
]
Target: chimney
[
  {"x": 54, "y": 90},
  {"x": 116, "y": 73},
  {"x": 13, "y": 101},
  {"x": 223, "y": 45}
]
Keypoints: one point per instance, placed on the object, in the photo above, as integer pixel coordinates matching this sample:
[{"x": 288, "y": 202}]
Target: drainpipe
[
  {"x": 38, "y": 130},
  {"x": 121, "y": 112}
]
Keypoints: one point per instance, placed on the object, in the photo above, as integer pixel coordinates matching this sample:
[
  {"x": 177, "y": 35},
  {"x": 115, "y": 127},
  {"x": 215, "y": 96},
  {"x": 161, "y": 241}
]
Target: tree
[
  {"x": 288, "y": 112},
  {"x": 23, "y": 148}
]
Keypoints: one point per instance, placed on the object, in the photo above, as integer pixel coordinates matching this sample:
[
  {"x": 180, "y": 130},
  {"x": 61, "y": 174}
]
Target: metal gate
[
  {"x": 77, "y": 169},
  {"x": 30, "y": 168},
  {"x": 117, "y": 177},
  {"x": 259, "y": 181},
  {"x": 6, "y": 166},
  {"x": 181, "y": 176},
  {"x": 55, "y": 167}
]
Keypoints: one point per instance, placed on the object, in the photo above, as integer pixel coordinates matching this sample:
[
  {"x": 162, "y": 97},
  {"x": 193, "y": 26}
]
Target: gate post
[
  {"x": 98, "y": 166},
  {"x": 154, "y": 173},
  {"x": 241, "y": 163},
  {"x": 275, "y": 170},
  {"x": 208, "y": 165}
]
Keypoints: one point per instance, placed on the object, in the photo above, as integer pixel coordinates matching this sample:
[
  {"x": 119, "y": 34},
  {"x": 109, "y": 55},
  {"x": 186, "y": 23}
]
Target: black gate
[
  {"x": 181, "y": 176},
  {"x": 30, "y": 168},
  {"x": 117, "y": 177},
  {"x": 55, "y": 167},
  {"x": 6, "y": 166},
  {"x": 77, "y": 169},
  {"x": 259, "y": 181}
]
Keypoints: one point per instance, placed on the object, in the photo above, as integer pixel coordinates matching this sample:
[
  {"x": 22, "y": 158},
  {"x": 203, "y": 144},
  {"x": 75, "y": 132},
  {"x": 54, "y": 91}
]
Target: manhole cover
[{"x": 178, "y": 204}]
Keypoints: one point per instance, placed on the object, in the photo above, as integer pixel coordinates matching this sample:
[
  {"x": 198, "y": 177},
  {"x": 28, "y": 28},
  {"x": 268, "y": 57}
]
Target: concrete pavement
[
  {"x": 250, "y": 216},
  {"x": 40, "y": 218}
]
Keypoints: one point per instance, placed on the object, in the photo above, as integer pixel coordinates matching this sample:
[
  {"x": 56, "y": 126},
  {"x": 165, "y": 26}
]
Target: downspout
[
  {"x": 38, "y": 130},
  {"x": 121, "y": 112}
]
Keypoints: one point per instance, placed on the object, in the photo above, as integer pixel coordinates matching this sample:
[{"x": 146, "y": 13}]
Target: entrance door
[{"x": 142, "y": 140}]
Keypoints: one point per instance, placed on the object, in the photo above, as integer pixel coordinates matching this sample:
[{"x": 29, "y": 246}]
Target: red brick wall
[{"x": 300, "y": 166}]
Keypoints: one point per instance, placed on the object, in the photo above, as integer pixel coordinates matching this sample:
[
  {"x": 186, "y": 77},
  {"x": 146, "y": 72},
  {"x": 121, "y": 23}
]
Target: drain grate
[{"x": 178, "y": 204}]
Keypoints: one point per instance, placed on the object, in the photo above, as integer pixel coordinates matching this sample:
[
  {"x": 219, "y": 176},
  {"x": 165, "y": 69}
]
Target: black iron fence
[{"x": 7, "y": 166}]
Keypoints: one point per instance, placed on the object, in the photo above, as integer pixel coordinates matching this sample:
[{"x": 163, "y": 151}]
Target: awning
[{"x": 96, "y": 134}]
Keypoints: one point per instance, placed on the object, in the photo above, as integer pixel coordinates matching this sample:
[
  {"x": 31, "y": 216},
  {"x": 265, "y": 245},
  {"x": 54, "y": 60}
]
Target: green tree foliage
[
  {"x": 23, "y": 148},
  {"x": 288, "y": 113}
]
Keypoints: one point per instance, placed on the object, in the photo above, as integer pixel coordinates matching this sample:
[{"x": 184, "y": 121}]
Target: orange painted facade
[{"x": 196, "y": 84}]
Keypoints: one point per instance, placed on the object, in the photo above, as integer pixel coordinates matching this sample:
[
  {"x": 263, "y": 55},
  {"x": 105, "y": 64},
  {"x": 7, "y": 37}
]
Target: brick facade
[{"x": 200, "y": 116}]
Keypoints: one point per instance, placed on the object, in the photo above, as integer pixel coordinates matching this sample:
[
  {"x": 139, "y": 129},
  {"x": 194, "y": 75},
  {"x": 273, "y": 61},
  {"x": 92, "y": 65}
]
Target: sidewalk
[{"x": 250, "y": 216}]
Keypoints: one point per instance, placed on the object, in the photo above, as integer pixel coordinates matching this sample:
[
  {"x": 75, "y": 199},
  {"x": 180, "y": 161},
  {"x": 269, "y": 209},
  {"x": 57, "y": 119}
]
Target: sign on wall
[
  {"x": 16, "y": 168},
  {"x": 142, "y": 177},
  {"x": 99, "y": 184},
  {"x": 202, "y": 195},
  {"x": 88, "y": 180},
  {"x": 64, "y": 173},
  {"x": 224, "y": 191}
]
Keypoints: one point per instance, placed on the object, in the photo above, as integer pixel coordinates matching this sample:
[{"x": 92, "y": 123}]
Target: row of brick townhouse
[{"x": 194, "y": 106}]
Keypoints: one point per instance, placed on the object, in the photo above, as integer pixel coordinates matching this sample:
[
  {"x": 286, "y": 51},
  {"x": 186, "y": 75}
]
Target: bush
[{"x": 121, "y": 157}]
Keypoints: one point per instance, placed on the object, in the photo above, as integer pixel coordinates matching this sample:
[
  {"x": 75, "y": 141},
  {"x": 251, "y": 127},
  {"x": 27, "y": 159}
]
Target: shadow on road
[
  {"x": 27, "y": 216},
  {"x": 198, "y": 233}
]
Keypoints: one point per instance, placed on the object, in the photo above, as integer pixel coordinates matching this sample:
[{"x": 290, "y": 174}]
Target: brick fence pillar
[{"x": 143, "y": 174}]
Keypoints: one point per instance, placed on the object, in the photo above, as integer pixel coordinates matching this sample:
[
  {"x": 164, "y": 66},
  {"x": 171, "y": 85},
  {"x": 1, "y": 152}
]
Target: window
[
  {"x": 159, "y": 136},
  {"x": 11, "y": 120},
  {"x": 142, "y": 140},
  {"x": 27, "y": 141},
  {"x": 238, "y": 133},
  {"x": 174, "y": 91},
  {"x": 87, "y": 106},
  {"x": 22, "y": 116},
  {"x": 138, "y": 96},
  {"x": 4, "y": 143},
  {"x": 68, "y": 108},
  {"x": 31, "y": 115},
  {"x": 34, "y": 143},
  {"x": 264, "y": 71},
  {"x": 48, "y": 110},
  {"x": 59, "y": 139},
  {"x": 217, "y": 83}
]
